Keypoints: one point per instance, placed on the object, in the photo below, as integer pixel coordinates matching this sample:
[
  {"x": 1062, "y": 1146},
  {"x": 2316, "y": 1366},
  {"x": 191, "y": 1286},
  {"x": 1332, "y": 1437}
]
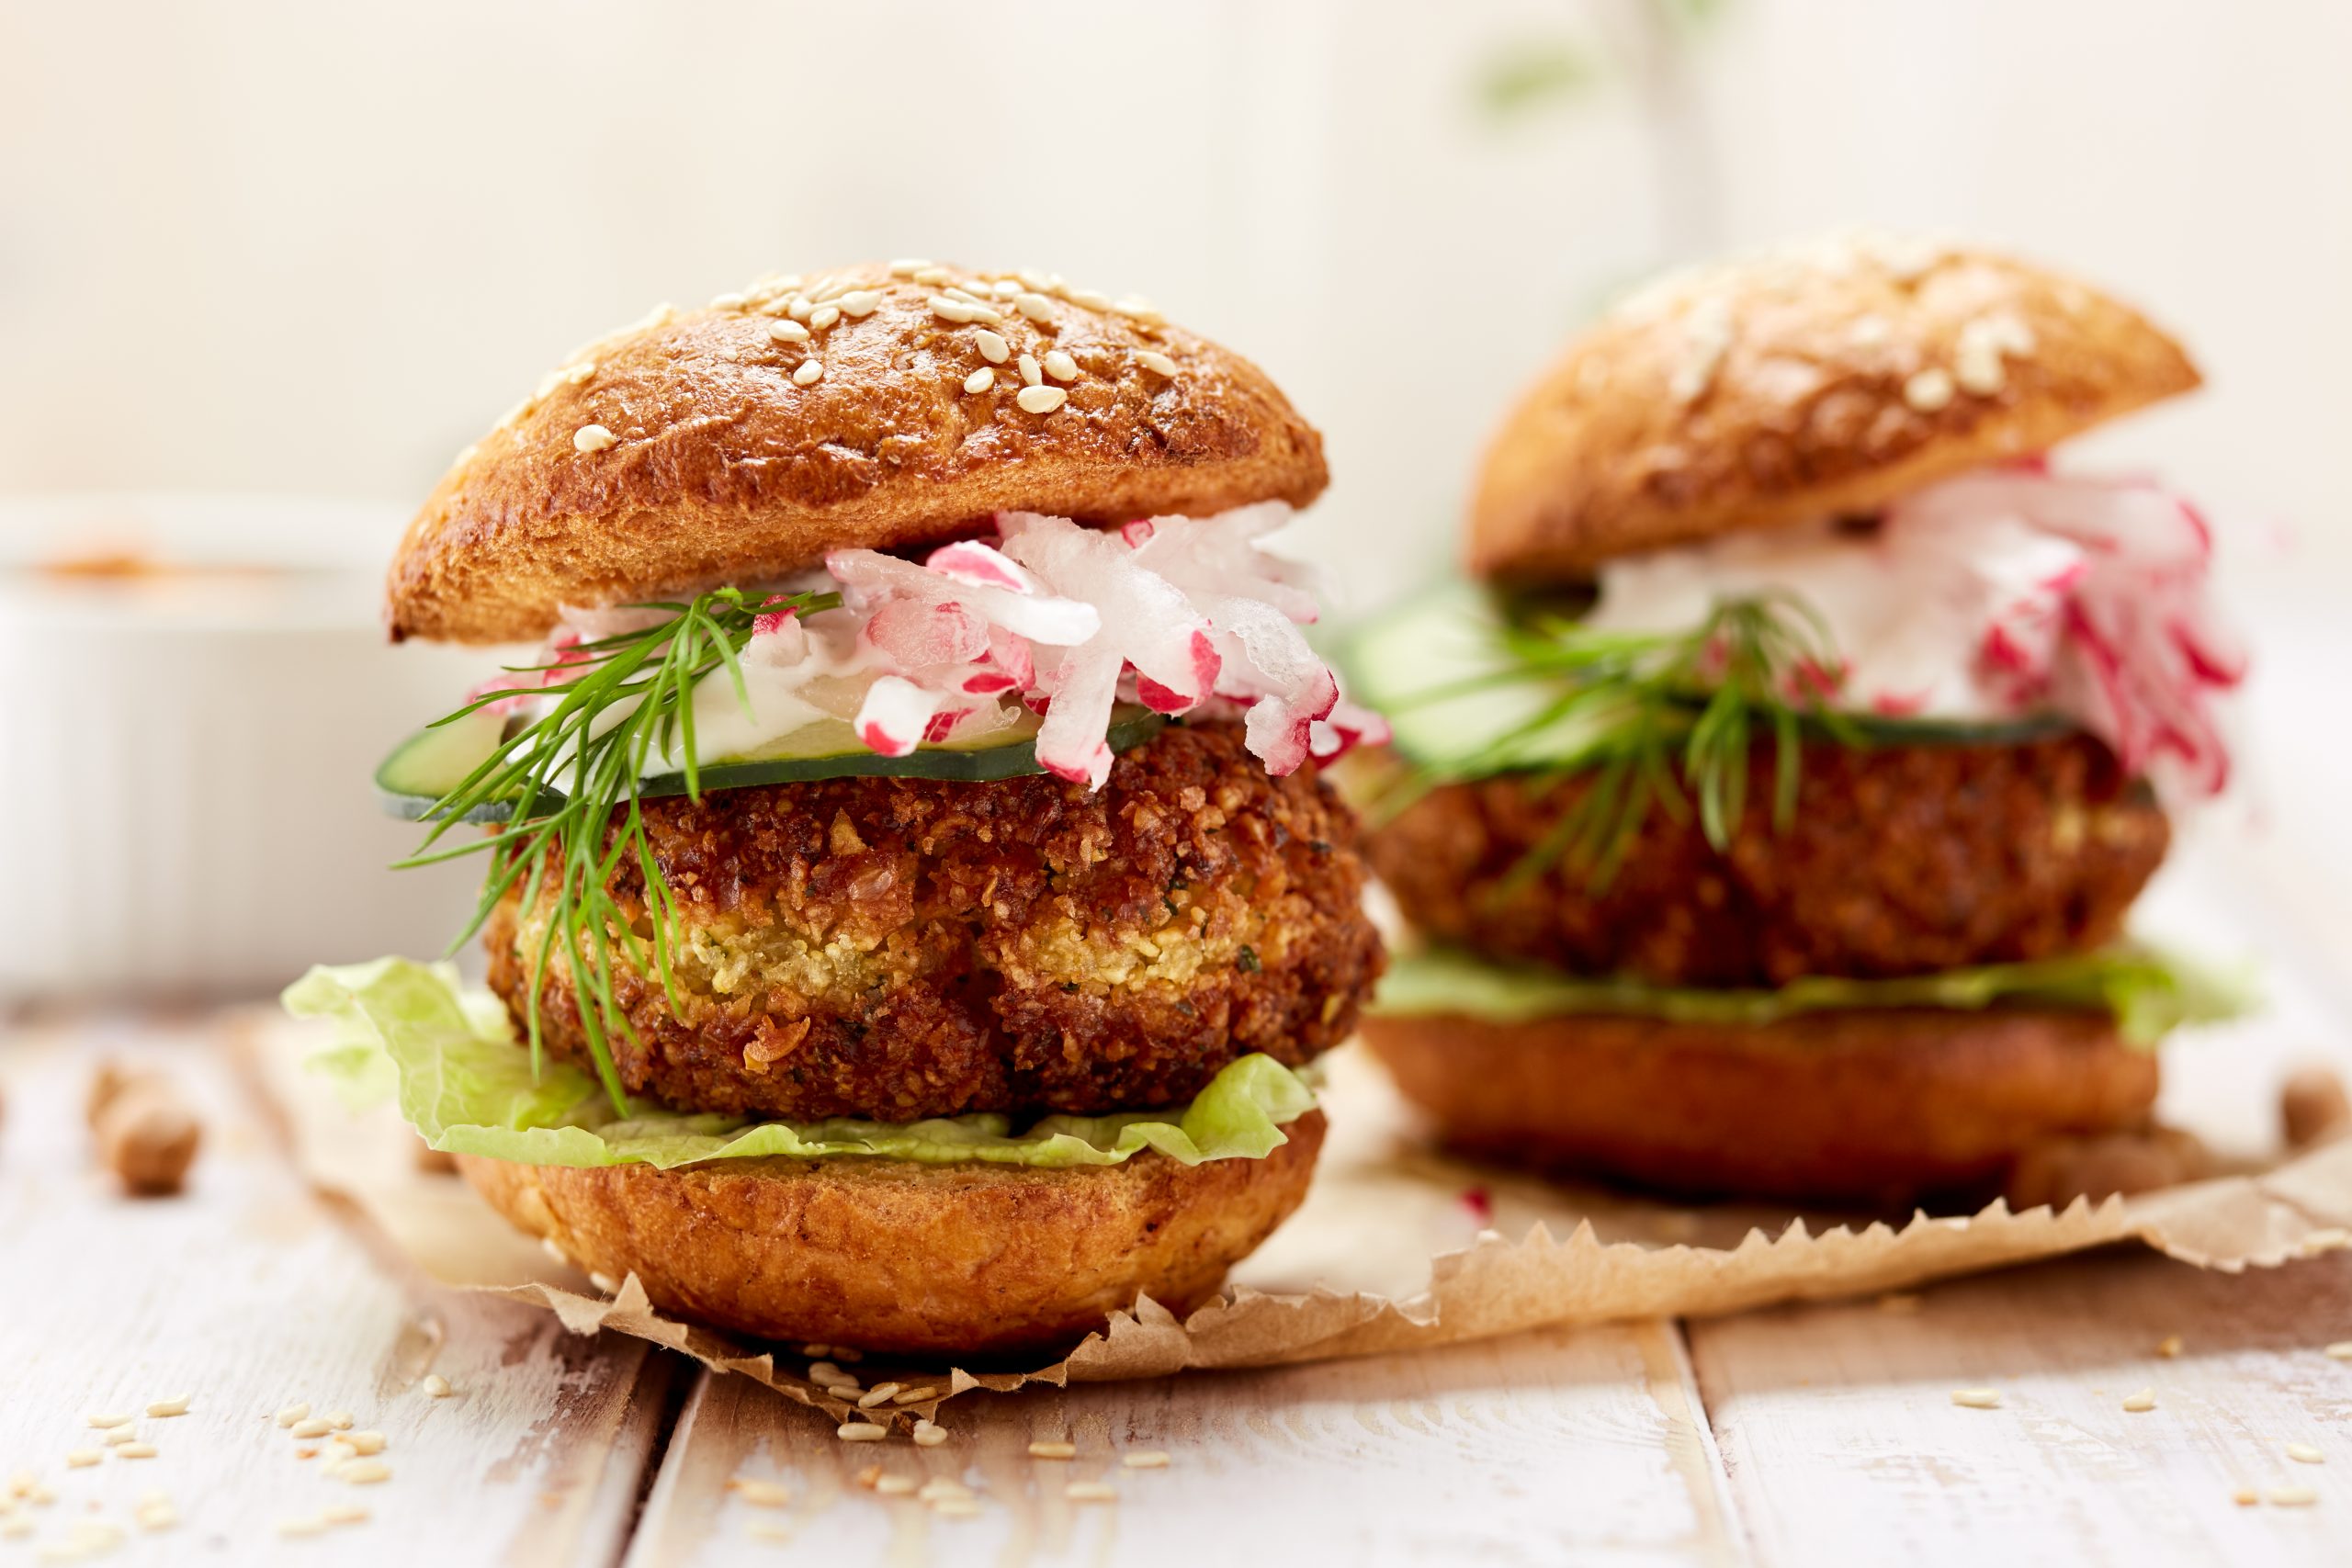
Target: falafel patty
[
  {"x": 898, "y": 948},
  {"x": 1900, "y": 860}
]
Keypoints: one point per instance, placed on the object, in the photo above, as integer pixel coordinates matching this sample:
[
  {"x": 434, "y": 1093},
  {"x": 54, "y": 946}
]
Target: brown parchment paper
[{"x": 1396, "y": 1248}]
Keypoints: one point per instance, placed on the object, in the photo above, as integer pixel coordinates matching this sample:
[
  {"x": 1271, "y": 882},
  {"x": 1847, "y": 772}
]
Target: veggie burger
[
  {"x": 909, "y": 891},
  {"x": 1773, "y": 809}
]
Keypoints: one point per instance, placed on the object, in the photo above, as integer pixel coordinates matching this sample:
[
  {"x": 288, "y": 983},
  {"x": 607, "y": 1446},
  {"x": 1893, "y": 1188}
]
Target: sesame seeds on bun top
[
  {"x": 875, "y": 406},
  {"x": 1821, "y": 381}
]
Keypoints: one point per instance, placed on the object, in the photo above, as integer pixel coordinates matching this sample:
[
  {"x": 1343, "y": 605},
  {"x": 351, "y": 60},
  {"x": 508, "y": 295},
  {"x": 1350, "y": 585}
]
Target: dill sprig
[
  {"x": 569, "y": 779},
  {"x": 1654, "y": 720}
]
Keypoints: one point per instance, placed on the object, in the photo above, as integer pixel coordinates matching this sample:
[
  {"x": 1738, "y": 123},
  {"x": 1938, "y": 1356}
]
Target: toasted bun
[
  {"x": 1820, "y": 382},
  {"x": 1874, "y": 1109},
  {"x": 910, "y": 1260},
  {"x": 726, "y": 468}
]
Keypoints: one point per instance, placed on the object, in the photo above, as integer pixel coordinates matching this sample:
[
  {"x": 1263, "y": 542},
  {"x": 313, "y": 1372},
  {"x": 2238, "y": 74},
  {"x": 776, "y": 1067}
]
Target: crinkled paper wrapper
[{"x": 1387, "y": 1253}]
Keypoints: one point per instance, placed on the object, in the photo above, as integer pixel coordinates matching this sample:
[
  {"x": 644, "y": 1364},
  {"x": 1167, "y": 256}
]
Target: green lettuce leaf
[
  {"x": 2150, "y": 993},
  {"x": 406, "y": 1030}
]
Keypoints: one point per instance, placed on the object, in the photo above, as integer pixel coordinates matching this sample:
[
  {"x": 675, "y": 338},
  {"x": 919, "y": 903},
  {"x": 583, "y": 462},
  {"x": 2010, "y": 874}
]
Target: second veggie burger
[
  {"x": 1773, "y": 810},
  {"x": 909, "y": 889}
]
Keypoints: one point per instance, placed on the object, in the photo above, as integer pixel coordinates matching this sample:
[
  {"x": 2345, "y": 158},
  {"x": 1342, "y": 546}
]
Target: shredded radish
[
  {"x": 2006, "y": 592},
  {"x": 1179, "y": 614}
]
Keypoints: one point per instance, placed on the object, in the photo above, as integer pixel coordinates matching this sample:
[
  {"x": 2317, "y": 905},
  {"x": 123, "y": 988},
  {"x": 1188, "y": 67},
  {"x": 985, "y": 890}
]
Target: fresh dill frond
[
  {"x": 571, "y": 779},
  {"x": 1651, "y": 721}
]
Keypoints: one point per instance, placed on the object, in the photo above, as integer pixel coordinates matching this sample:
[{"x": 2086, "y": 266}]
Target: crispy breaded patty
[
  {"x": 901, "y": 948},
  {"x": 1900, "y": 860}
]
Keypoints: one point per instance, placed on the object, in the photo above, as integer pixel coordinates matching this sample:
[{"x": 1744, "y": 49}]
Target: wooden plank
[
  {"x": 248, "y": 1295},
  {"x": 1843, "y": 1444},
  {"x": 1546, "y": 1447}
]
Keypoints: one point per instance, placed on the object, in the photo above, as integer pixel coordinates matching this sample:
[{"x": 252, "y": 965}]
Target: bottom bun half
[
  {"x": 1877, "y": 1109},
  {"x": 897, "y": 1257}
]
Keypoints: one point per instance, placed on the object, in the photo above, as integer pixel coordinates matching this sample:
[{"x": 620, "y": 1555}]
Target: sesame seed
[
  {"x": 729, "y": 301},
  {"x": 16, "y": 1525},
  {"x": 859, "y": 303},
  {"x": 2303, "y": 1453},
  {"x": 933, "y": 277},
  {"x": 993, "y": 348},
  {"x": 1156, "y": 362},
  {"x": 437, "y": 1386},
  {"x": 1061, "y": 366},
  {"x": 907, "y": 268},
  {"x": 291, "y": 1414},
  {"x": 929, "y": 1434},
  {"x": 82, "y": 1459},
  {"x": 1929, "y": 389},
  {"x": 592, "y": 438},
  {"x": 135, "y": 1450},
  {"x": 1041, "y": 400},
  {"x": 760, "y": 1493},
  {"x": 915, "y": 1395},
  {"x": 1145, "y": 1458},
  {"x": 547, "y": 1243},
  {"x": 1093, "y": 300},
  {"x": 941, "y": 1488},
  {"x": 121, "y": 1434},
  {"x": 963, "y": 311},
  {"x": 895, "y": 1485},
  {"x": 814, "y": 1349},
  {"x": 2143, "y": 1400},
  {"x": 315, "y": 1427},
  {"x": 1036, "y": 306},
  {"x": 979, "y": 380},
  {"x": 824, "y": 316},
  {"x": 307, "y": 1526},
  {"x": 1028, "y": 366},
  {"x": 787, "y": 332},
  {"x": 1136, "y": 308},
  {"x": 1976, "y": 365},
  {"x": 876, "y": 1395},
  {"x": 861, "y": 1432},
  {"x": 363, "y": 1471},
  {"x": 956, "y": 1508},
  {"x": 102, "y": 1422},
  {"x": 2340, "y": 1351},
  {"x": 2245, "y": 1497},
  {"x": 2293, "y": 1496},
  {"x": 1977, "y": 1398},
  {"x": 175, "y": 1406},
  {"x": 824, "y": 1371},
  {"x": 2329, "y": 1240},
  {"x": 1091, "y": 1491},
  {"x": 799, "y": 307},
  {"x": 362, "y": 1442},
  {"x": 2168, "y": 1347},
  {"x": 810, "y": 369},
  {"x": 1053, "y": 1449},
  {"x": 344, "y": 1513}
]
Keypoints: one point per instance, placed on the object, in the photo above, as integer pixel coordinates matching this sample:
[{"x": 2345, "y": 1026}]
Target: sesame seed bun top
[
  {"x": 876, "y": 406},
  {"x": 1823, "y": 381}
]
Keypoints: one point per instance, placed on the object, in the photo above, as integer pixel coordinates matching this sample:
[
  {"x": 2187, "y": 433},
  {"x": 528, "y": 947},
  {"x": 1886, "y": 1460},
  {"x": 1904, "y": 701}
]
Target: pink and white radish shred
[
  {"x": 2006, "y": 592},
  {"x": 1180, "y": 615}
]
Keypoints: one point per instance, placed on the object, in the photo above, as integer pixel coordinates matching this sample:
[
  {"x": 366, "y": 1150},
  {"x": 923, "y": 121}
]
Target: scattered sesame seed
[
  {"x": 759, "y": 1493},
  {"x": 942, "y": 1488},
  {"x": 1145, "y": 1458},
  {"x": 591, "y": 438},
  {"x": 876, "y": 1395},
  {"x": 1869, "y": 332},
  {"x": 1030, "y": 376},
  {"x": 82, "y": 1459},
  {"x": 2169, "y": 1346},
  {"x": 956, "y": 1508},
  {"x": 859, "y": 303},
  {"x": 808, "y": 373},
  {"x": 362, "y": 1442},
  {"x": 17, "y": 1525},
  {"x": 1136, "y": 308},
  {"x": 363, "y": 1471},
  {"x": 344, "y": 1513},
  {"x": 1041, "y": 400},
  {"x": 729, "y": 301},
  {"x": 435, "y": 1385},
  {"x": 787, "y": 332},
  {"x": 175, "y": 1406},
  {"x": 2293, "y": 1496},
  {"x": 1053, "y": 1449},
  {"x": 867, "y": 1476},
  {"x": 2341, "y": 1350},
  {"x": 1036, "y": 306},
  {"x": 310, "y": 1525},
  {"x": 993, "y": 348},
  {"x": 135, "y": 1450},
  {"x": 915, "y": 1395},
  {"x": 861, "y": 1432},
  {"x": 979, "y": 380},
  {"x": 1929, "y": 389},
  {"x": 102, "y": 1422},
  {"x": 121, "y": 1434},
  {"x": 2144, "y": 1400},
  {"x": 824, "y": 1371},
  {"x": 156, "y": 1514},
  {"x": 895, "y": 1485},
  {"x": 2330, "y": 1240},
  {"x": 933, "y": 277},
  {"x": 1977, "y": 1398},
  {"x": 314, "y": 1427},
  {"x": 2245, "y": 1497},
  {"x": 2303, "y": 1453},
  {"x": 813, "y": 1350},
  {"x": 929, "y": 1434},
  {"x": 1156, "y": 362},
  {"x": 1092, "y": 298},
  {"x": 824, "y": 316},
  {"x": 1091, "y": 1491},
  {"x": 340, "y": 1420},
  {"x": 799, "y": 307},
  {"x": 963, "y": 311},
  {"x": 1061, "y": 366},
  {"x": 907, "y": 268},
  {"x": 1706, "y": 340},
  {"x": 21, "y": 1483}
]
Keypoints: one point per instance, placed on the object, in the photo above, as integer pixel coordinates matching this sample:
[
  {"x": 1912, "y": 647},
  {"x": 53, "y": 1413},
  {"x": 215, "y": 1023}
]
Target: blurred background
[{"x": 270, "y": 248}]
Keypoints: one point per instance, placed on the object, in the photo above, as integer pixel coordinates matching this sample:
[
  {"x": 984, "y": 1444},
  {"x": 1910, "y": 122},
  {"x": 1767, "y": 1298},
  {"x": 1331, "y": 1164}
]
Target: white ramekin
[{"x": 186, "y": 805}]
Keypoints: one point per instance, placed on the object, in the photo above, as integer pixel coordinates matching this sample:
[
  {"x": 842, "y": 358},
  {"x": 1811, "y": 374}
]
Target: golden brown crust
[
  {"x": 1874, "y": 1109},
  {"x": 725, "y": 469},
  {"x": 902, "y": 1258},
  {"x": 1823, "y": 381}
]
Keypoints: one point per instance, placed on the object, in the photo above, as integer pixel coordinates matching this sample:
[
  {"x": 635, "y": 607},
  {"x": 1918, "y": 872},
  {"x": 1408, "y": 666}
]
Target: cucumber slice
[{"x": 425, "y": 768}]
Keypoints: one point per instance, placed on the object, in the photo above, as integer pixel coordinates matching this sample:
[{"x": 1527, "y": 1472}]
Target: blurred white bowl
[{"x": 199, "y": 691}]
